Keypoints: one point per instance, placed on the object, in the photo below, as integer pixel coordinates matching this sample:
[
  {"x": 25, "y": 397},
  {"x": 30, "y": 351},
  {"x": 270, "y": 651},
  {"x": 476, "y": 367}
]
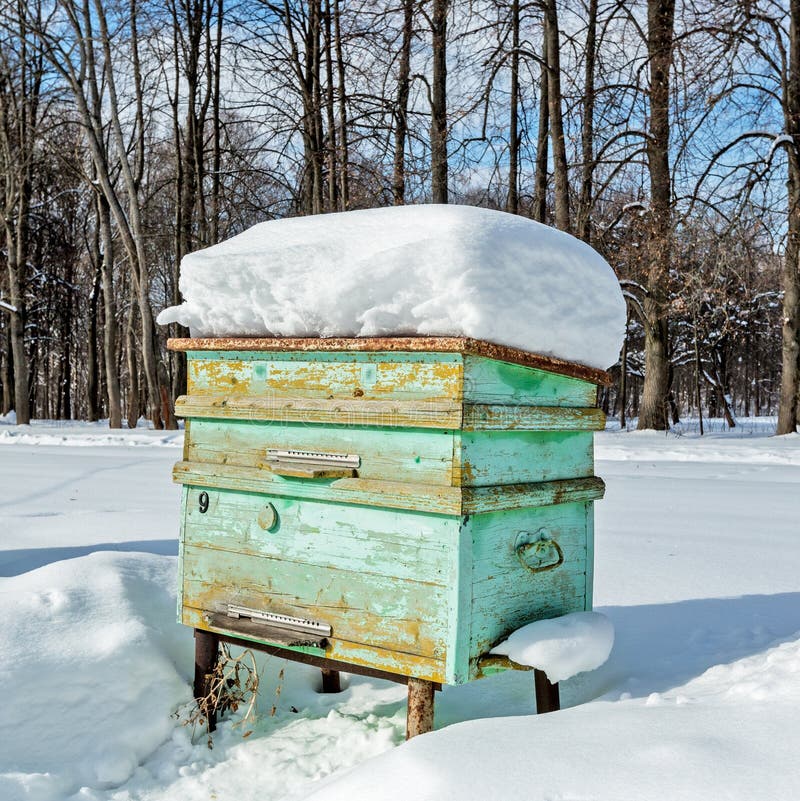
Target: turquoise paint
[
  {"x": 379, "y": 541},
  {"x": 421, "y": 455},
  {"x": 490, "y": 458},
  {"x": 506, "y": 594},
  {"x": 491, "y": 381}
]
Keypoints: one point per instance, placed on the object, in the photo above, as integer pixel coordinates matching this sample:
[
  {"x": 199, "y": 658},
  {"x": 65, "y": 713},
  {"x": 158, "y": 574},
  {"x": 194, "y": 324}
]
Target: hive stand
[{"x": 420, "y": 709}]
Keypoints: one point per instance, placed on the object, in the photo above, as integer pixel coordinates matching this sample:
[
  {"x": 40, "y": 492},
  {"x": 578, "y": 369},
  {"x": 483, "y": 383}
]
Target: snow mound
[
  {"x": 561, "y": 646},
  {"x": 89, "y": 650},
  {"x": 733, "y": 733},
  {"x": 409, "y": 270}
]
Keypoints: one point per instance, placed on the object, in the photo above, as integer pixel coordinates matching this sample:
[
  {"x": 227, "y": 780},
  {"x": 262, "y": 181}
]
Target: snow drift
[{"x": 409, "y": 270}]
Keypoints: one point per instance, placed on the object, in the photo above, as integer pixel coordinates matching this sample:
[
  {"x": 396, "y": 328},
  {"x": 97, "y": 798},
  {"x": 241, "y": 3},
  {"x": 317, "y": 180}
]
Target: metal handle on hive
[{"x": 533, "y": 550}]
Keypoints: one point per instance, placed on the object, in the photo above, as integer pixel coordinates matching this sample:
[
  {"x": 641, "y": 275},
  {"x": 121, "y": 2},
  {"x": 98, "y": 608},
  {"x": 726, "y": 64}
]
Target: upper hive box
[{"x": 396, "y": 503}]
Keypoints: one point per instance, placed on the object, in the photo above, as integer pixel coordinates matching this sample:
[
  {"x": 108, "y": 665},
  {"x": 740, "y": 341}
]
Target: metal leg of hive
[
  {"x": 419, "y": 719},
  {"x": 547, "y": 697},
  {"x": 331, "y": 681},
  {"x": 206, "y": 652}
]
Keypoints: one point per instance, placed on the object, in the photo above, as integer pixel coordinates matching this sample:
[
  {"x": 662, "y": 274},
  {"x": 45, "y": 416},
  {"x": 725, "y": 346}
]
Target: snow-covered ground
[{"x": 697, "y": 566}]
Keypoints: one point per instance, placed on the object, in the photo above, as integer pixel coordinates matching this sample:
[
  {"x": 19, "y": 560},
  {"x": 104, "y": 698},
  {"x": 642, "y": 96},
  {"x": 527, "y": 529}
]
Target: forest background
[{"x": 666, "y": 134}]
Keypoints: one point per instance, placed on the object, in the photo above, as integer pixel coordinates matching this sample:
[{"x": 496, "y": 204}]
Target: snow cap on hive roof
[{"x": 431, "y": 270}]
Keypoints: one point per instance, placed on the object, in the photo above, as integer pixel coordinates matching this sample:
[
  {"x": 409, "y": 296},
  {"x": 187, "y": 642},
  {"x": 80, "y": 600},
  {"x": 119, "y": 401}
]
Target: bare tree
[
  {"x": 554, "y": 101},
  {"x": 21, "y": 77},
  {"x": 660, "y": 26},
  {"x": 438, "y": 90}
]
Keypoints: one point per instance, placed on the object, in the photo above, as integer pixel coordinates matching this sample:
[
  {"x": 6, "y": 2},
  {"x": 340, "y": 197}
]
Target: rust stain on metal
[{"x": 467, "y": 345}]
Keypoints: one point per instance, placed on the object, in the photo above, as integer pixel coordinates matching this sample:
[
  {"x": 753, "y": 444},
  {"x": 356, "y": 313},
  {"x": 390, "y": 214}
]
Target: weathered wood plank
[
  {"x": 464, "y": 345},
  {"x": 333, "y": 376},
  {"x": 383, "y": 542},
  {"x": 496, "y": 417},
  {"x": 316, "y": 660},
  {"x": 370, "y": 658},
  {"x": 416, "y": 455},
  {"x": 397, "y": 615},
  {"x": 493, "y": 458},
  {"x": 386, "y": 494},
  {"x": 348, "y": 412},
  {"x": 480, "y": 500},
  {"x": 391, "y": 495},
  {"x": 391, "y": 413}
]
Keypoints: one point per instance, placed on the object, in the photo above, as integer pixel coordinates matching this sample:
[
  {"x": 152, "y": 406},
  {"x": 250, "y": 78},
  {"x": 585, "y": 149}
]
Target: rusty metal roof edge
[{"x": 466, "y": 345}]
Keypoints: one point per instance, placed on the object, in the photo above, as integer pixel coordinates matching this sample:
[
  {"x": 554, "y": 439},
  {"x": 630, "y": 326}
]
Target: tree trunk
[
  {"x": 329, "y": 110},
  {"x": 344, "y": 154},
  {"x": 401, "y": 107},
  {"x": 17, "y": 329},
  {"x": 653, "y": 412},
  {"x": 314, "y": 50},
  {"x": 584, "y": 230},
  {"x": 7, "y": 374},
  {"x": 216, "y": 124},
  {"x": 540, "y": 179},
  {"x": 110, "y": 335},
  {"x": 512, "y": 199},
  {"x": 133, "y": 373},
  {"x": 439, "y": 102},
  {"x": 623, "y": 378},
  {"x": 92, "y": 366},
  {"x": 790, "y": 330},
  {"x": 560, "y": 176}
]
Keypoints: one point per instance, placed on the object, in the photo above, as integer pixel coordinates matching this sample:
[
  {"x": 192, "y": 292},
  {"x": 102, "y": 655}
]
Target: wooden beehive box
[{"x": 416, "y": 499}]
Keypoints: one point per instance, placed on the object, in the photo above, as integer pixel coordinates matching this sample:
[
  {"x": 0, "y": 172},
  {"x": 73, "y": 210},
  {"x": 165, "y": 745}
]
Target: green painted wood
[
  {"x": 459, "y": 603},
  {"x": 493, "y": 382},
  {"x": 507, "y": 595},
  {"x": 184, "y": 506},
  {"x": 491, "y": 458},
  {"x": 401, "y": 454},
  {"x": 327, "y": 374},
  {"x": 382, "y": 542},
  {"x": 396, "y": 615}
]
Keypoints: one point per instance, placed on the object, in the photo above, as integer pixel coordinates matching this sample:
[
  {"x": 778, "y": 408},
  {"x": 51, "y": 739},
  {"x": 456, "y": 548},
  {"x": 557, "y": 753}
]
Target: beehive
[{"x": 415, "y": 499}]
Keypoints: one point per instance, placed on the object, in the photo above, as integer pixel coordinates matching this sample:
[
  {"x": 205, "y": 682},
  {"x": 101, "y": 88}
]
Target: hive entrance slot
[
  {"x": 272, "y": 627},
  {"x": 312, "y": 464}
]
